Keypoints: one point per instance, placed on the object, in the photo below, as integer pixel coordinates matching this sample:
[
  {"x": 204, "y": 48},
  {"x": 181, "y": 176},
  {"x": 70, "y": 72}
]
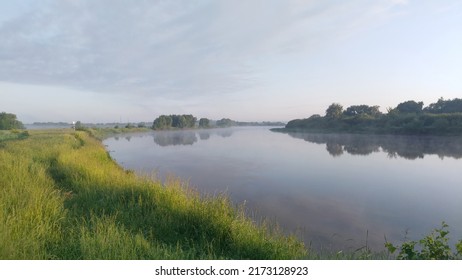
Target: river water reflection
[{"x": 334, "y": 191}]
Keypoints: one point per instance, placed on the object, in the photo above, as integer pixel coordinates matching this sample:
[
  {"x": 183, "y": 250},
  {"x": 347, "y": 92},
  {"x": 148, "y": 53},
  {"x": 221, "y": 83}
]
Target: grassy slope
[{"x": 63, "y": 197}]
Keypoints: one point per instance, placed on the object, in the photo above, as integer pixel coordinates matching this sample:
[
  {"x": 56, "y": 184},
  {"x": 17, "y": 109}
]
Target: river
[{"x": 335, "y": 192}]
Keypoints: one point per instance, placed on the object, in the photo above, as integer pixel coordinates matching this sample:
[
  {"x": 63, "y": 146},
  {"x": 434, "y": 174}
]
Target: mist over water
[{"x": 336, "y": 192}]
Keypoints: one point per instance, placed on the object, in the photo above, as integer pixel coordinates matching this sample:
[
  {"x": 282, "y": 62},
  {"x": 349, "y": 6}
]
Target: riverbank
[
  {"x": 63, "y": 197},
  {"x": 395, "y": 124}
]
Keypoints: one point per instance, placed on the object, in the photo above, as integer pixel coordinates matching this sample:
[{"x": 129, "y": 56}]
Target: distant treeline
[
  {"x": 51, "y": 123},
  {"x": 441, "y": 118},
  {"x": 189, "y": 121}
]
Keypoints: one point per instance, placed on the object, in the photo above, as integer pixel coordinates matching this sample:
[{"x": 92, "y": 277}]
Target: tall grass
[{"x": 63, "y": 197}]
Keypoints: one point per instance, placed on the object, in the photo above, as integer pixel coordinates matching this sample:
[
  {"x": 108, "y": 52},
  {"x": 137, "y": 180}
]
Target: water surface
[{"x": 337, "y": 192}]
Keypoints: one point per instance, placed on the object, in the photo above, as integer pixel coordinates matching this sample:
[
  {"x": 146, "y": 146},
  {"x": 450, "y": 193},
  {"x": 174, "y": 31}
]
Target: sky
[{"x": 268, "y": 60}]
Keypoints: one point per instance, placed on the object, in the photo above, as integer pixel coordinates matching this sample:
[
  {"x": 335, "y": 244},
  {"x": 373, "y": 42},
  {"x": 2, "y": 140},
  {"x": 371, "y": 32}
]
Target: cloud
[
  {"x": 400, "y": 2},
  {"x": 174, "y": 49}
]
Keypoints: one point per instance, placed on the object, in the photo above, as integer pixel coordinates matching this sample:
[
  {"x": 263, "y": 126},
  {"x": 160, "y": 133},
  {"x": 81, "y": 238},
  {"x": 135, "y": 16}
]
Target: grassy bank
[{"x": 63, "y": 197}]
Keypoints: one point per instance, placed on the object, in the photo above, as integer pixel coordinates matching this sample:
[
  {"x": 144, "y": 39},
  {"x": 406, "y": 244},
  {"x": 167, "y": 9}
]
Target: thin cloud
[{"x": 177, "y": 49}]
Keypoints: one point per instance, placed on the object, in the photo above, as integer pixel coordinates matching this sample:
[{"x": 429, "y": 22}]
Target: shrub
[{"x": 432, "y": 247}]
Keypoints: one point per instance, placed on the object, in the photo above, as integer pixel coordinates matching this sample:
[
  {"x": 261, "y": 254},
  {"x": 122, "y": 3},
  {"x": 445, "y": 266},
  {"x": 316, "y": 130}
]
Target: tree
[
  {"x": 183, "y": 121},
  {"x": 410, "y": 107},
  {"x": 362, "y": 110},
  {"x": 453, "y": 106},
  {"x": 204, "y": 122},
  {"x": 79, "y": 126},
  {"x": 9, "y": 121},
  {"x": 162, "y": 122},
  {"x": 188, "y": 121},
  {"x": 176, "y": 121},
  {"x": 445, "y": 106},
  {"x": 334, "y": 111},
  {"x": 225, "y": 122}
]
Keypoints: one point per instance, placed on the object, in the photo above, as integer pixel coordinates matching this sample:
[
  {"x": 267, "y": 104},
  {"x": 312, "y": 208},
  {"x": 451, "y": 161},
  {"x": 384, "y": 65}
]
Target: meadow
[{"x": 63, "y": 197}]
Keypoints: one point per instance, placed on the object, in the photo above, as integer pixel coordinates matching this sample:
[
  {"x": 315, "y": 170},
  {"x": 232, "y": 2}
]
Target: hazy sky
[{"x": 132, "y": 60}]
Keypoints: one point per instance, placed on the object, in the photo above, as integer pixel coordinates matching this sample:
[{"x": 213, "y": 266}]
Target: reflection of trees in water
[
  {"x": 361, "y": 146},
  {"x": 174, "y": 138},
  {"x": 225, "y": 133},
  {"x": 409, "y": 147},
  {"x": 334, "y": 149},
  {"x": 204, "y": 135},
  {"x": 181, "y": 137}
]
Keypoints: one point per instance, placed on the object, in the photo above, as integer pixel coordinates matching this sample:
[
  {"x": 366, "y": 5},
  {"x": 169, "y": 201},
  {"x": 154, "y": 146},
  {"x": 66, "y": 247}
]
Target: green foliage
[
  {"x": 204, "y": 123},
  {"x": 445, "y": 106},
  {"x": 9, "y": 121},
  {"x": 79, "y": 126},
  {"x": 184, "y": 121},
  {"x": 174, "y": 121},
  {"x": 410, "y": 107},
  {"x": 225, "y": 122},
  {"x": 63, "y": 197},
  {"x": 162, "y": 122},
  {"x": 459, "y": 248},
  {"x": 13, "y": 135},
  {"x": 362, "y": 110},
  {"x": 432, "y": 247},
  {"x": 407, "y": 118},
  {"x": 334, "y": 111}
]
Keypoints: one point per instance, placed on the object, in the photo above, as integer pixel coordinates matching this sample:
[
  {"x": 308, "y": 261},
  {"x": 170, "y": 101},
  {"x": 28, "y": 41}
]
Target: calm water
[{"x": 336, "y": 192}]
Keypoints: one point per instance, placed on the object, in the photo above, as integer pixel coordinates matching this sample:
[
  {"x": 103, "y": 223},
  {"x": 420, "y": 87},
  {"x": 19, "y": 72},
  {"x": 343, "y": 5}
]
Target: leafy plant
[{"x": 432, "y": 247}]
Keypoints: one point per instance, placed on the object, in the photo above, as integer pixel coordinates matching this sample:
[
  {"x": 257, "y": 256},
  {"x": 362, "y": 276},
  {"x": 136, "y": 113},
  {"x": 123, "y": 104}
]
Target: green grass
[
  {"x": 6, "y": 135},
  {"x": 63, "y": 197}
]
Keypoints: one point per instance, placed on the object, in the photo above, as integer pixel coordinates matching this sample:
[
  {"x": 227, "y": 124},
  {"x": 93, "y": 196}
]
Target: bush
[
  {"x": 9, "y": 121},
  {"x": 432, "y": 247}
]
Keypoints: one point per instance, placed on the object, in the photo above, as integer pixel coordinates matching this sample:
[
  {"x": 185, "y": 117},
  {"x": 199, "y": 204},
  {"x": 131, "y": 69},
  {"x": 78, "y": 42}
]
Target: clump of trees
[
  {"x": 9, "y": 121},
  {"x": 445, "y": 106},
  {"x": 225, "y": 123},
  {"x": 204, "y": 123},
  {"x": 362, "y": 110},
  {"x": 166, "y": 122},
  {"x": 174, "y": 121},
  {"x": 409, "y": 117}
]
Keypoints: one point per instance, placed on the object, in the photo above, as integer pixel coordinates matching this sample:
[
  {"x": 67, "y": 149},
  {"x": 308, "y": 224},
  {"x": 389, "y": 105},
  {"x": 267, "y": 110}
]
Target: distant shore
[{"x": 408, "y": 118}]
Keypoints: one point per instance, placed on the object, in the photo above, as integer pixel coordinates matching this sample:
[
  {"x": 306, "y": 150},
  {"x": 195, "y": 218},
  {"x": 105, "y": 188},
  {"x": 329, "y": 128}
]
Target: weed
[{"x": 431, "y": 247}]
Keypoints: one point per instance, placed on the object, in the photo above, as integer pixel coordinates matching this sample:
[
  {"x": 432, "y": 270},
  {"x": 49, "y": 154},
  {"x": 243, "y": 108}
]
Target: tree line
[
  {"x": 187, "y": 121},
  {"x": 164, "y": 122},
  {"x": 409, "y": 117}
]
